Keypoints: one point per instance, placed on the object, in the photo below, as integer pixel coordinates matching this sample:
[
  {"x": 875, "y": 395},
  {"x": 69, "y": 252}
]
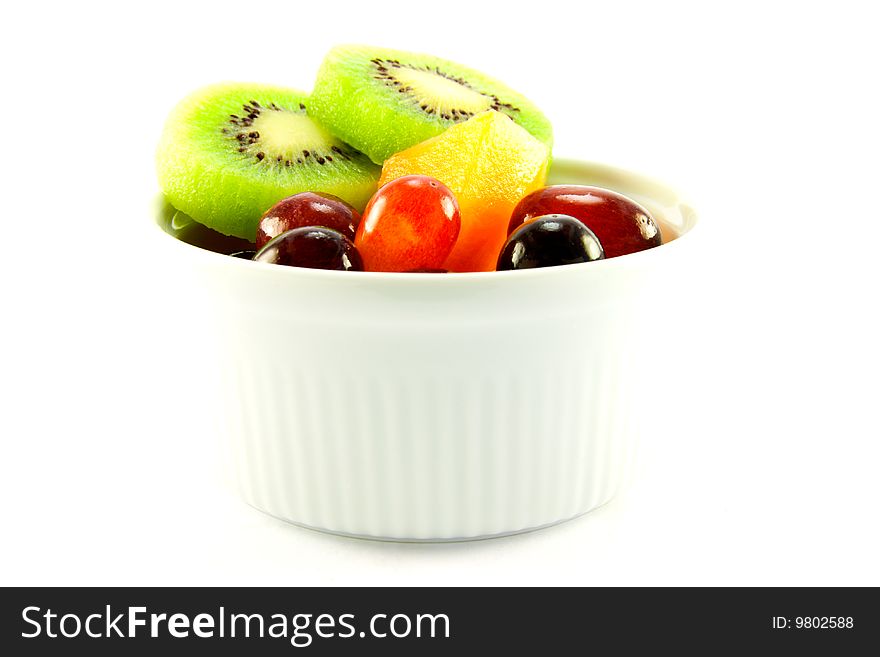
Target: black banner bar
[{"x": 333, "y": 621}]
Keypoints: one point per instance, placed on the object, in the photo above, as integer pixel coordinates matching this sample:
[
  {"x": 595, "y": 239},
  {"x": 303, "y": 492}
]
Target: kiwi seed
[
  {"x": 416, "y": 82},
  {"x": 244, "y": 132}
]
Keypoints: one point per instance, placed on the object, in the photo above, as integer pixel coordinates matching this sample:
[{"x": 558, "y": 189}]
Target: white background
[{"x": 761, "y": 466}]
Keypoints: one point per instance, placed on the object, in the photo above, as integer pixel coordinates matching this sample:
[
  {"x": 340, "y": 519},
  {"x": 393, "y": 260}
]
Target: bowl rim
[{"x": 598, "y": 267}]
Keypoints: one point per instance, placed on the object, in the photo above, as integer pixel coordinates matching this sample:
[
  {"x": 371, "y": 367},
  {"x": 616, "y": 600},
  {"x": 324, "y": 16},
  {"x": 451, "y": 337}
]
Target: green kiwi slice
[
  {"x": 230, "y": 151},
  {"x": 383, "y": 101}
]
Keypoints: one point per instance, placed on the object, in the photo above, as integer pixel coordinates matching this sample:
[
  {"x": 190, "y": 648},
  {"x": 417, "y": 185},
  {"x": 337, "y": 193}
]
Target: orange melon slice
[{"x": 489, "y": 163}]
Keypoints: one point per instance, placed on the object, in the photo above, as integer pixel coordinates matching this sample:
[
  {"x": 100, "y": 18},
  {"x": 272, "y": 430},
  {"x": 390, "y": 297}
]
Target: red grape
[
  {"x": 410, "y": 223},
  {"x": 622, "y": 225},
  {"x": 307, "y": 209}
]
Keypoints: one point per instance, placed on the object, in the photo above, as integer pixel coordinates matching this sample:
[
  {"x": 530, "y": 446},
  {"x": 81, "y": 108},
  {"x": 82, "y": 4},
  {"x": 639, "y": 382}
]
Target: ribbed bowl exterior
[
  {"x": 419, "y": 450},
  {"x": 430, "y": 407}
]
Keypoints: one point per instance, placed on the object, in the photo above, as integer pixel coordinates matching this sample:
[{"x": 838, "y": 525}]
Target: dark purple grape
[
  {"x": 554, "y": 239},
  {"x": 315, "y": 247},
  {"x": 244, "y": 255},
  {"x": 307, "y": 209}
]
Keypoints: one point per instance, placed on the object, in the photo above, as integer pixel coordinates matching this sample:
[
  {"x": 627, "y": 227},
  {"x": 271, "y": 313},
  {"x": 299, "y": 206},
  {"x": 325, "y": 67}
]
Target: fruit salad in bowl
[{"x": 427, "y": 325}]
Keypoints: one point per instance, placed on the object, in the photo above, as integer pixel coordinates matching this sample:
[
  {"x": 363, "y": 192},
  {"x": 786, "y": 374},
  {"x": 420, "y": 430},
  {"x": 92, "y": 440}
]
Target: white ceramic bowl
[{"x": 434, "y": 407}]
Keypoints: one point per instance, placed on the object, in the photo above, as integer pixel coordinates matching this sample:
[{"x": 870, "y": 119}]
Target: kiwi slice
[
  {"x": 231, "y": 151},
  {"x": 384, "y": 101}
]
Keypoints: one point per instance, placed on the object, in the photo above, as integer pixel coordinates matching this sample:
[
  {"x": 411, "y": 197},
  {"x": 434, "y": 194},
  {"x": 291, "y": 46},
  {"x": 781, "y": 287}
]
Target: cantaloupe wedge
[{"x": 489, "y": 163}]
